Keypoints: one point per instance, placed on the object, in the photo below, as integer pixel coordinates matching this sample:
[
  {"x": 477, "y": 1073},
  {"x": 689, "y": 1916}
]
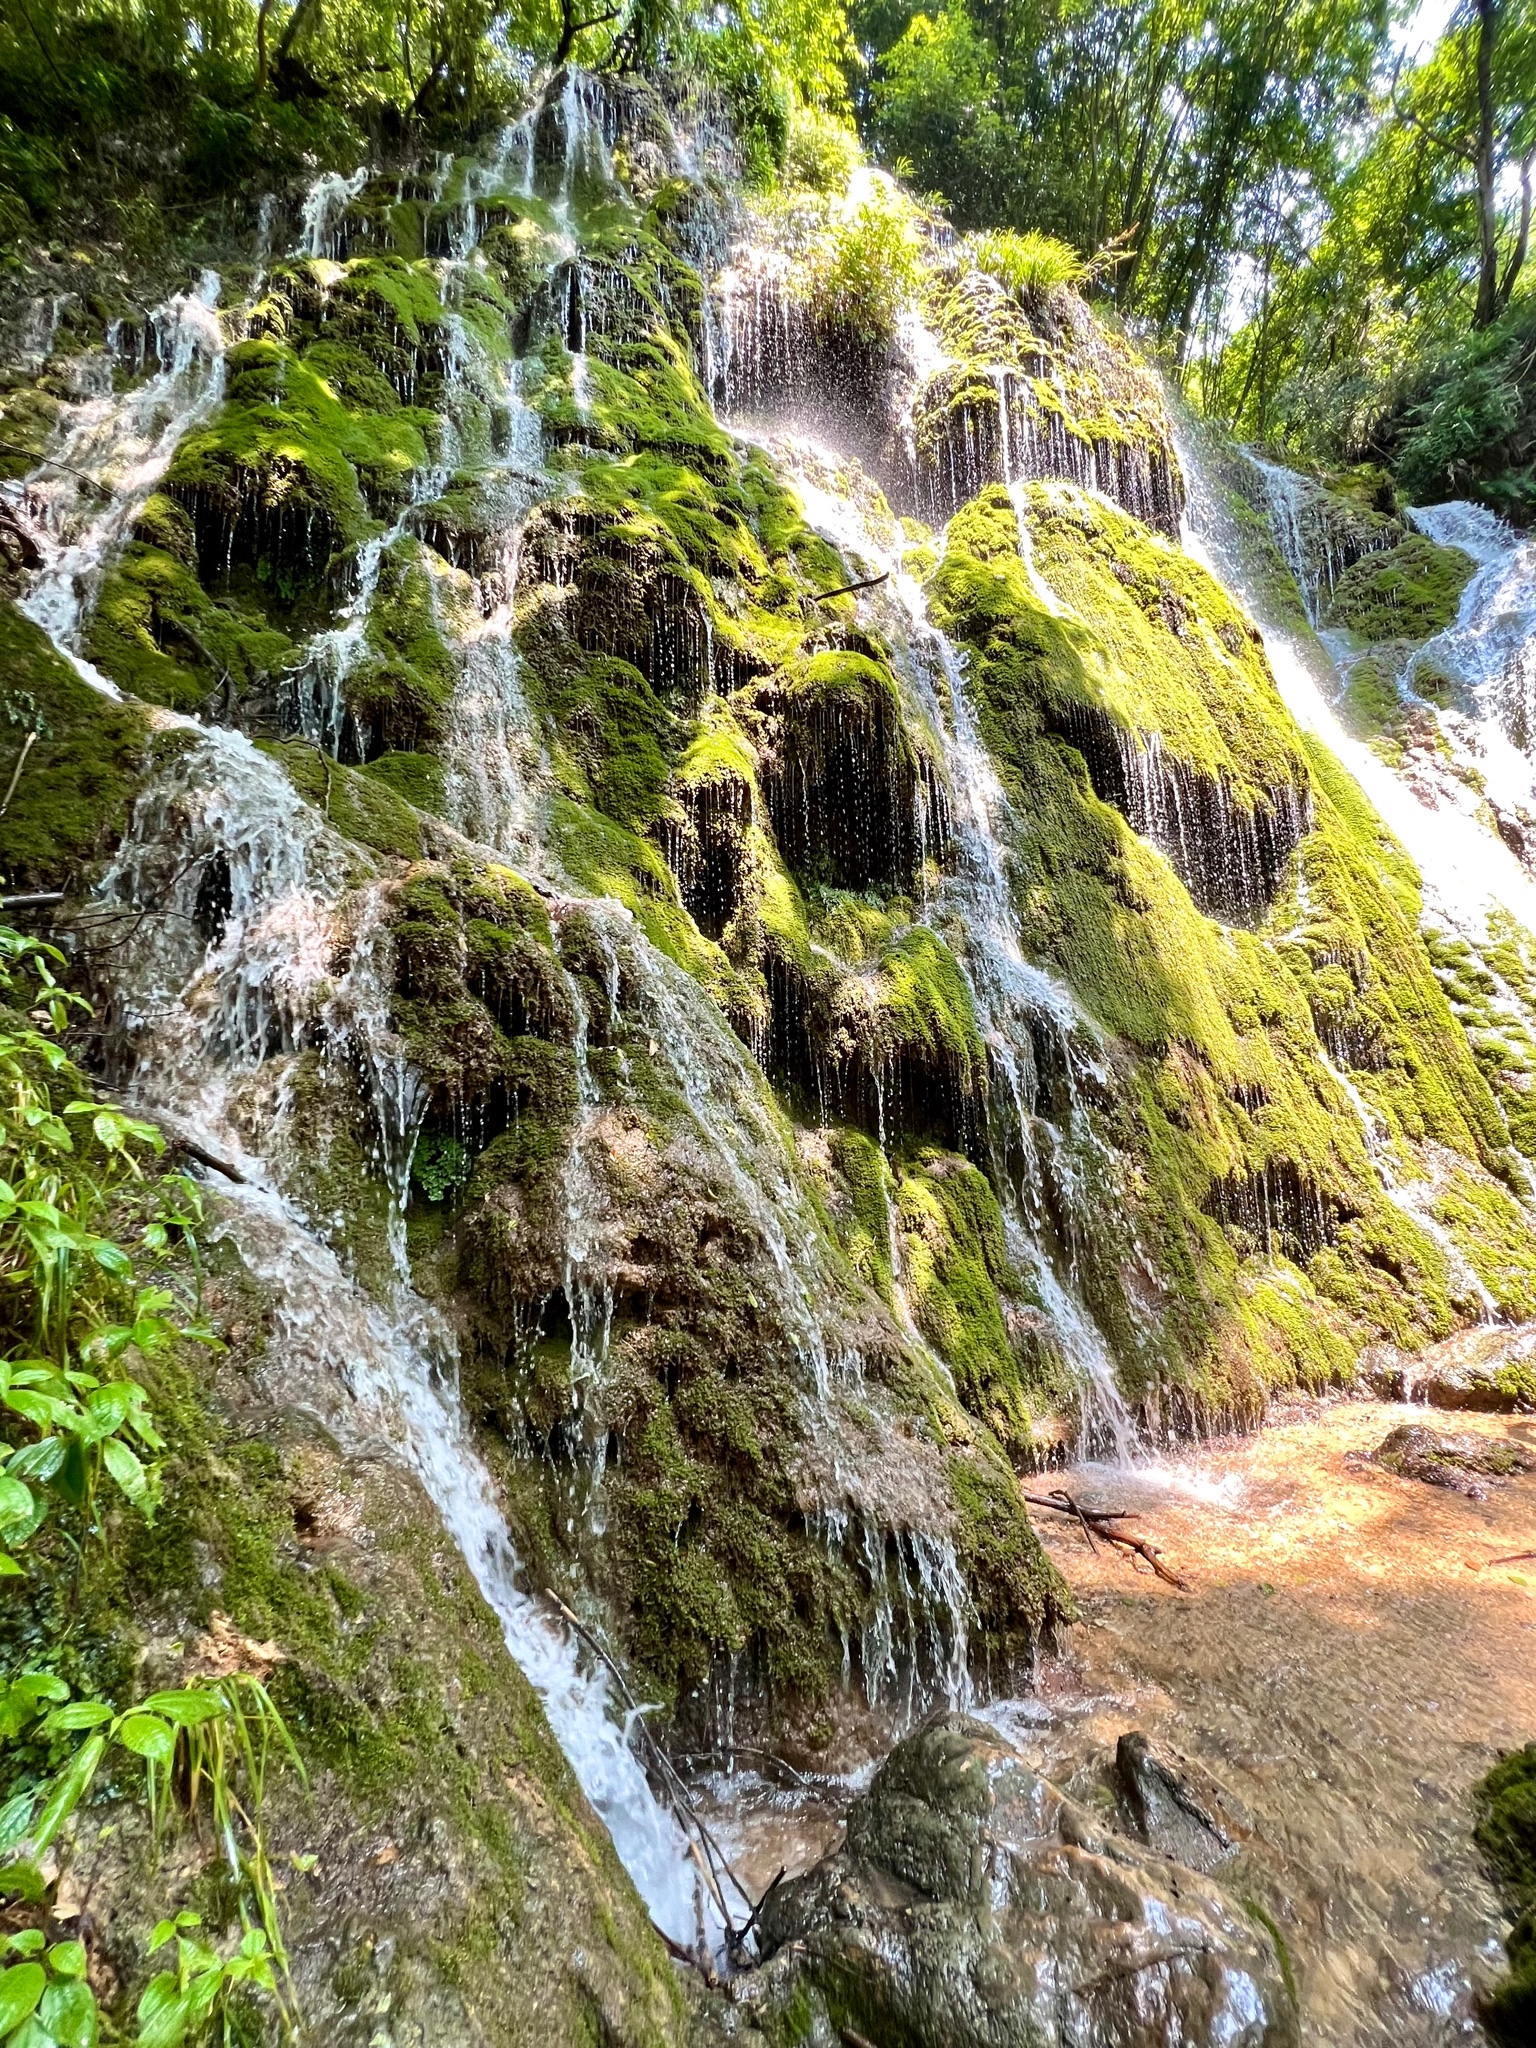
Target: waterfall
[
  {"x": 233, "y": 969},
  {"x": 1465, "y": 868},
  {"x": 79, "y": 503},
  {"x": 1016, "y": 1002},
  {"x": 1489, "y": 653}
]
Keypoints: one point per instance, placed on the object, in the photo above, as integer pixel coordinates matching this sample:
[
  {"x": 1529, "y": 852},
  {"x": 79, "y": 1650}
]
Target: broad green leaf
[
  {"x": 148, "y": 1736},
  {"x": 30, "y": 1942},
  {"x": 162, "y": 2014},
  {"x": 14, "y": 1815},
  {"x": 68, "y": 1791},
  {"x": 38, "y": 1461},
  {"x": 128, "y": 1472},
  {"x": 67, "y": 1958},
  {"x": 187, "y": 1708},
  {"x": 68, "y": 2011},
  {"x": 21, "y": 1879},
  {"x": 109, "y": 1405},
  {"x": 77, "y": 1715},
  {"x": 15, "y": 1501},
  {"x": 21, "y": 1986},
  {"x": 9, "y": 1568}
]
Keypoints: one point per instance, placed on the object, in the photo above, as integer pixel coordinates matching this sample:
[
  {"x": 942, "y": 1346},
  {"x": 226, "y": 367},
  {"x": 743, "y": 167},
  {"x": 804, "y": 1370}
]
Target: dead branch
[
  {"x": 706, "y": 1851},
  {"x": 1516, "y": 1557},
  {"x": 847, "y": 589},
  {"x": 1098, "y": 1522},
  {"x": 21, "y": 761}
]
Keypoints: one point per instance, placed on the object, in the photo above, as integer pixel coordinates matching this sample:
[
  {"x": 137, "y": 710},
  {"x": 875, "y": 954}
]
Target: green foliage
[
  {"x": 72, "y": 1314},
  {"x": 856, "y": 257},
  {"x": 1029, "y": 265},
  {"x": 200, "y": 1999},
  {"x": 45, "y": 2001}
]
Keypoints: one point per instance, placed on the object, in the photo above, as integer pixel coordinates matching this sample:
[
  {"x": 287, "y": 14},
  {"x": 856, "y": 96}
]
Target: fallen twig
[
  {"x": 39, "y": 899},
  {"x": 21, "y": 761},
  {"x": 1097, "y": 1522},
  {"x": 705, "y": 1756},
  {"x": 852, "y": 2039},
  {"x": 778, "y": 1879},
  {"x": 1516, "y": 1557},
  {"x": 847, "y": 589},
  {"x": 706, "y": 1851}
]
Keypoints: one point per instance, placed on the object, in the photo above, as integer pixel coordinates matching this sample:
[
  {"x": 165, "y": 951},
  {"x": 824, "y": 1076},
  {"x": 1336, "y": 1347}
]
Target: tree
[{"x": 1475, "y": 103}]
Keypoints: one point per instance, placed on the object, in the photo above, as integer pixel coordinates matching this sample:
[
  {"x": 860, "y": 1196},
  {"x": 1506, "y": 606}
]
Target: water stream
[{"x": 236, "y": 972}]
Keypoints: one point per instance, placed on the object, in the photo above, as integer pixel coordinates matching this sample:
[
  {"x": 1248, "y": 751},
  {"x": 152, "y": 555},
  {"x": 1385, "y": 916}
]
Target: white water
[
  {"x": 122, "y": 446},
  {"x": 1466, "y": 869},
  {"x": 208, "y": 1018},
  {"x": 1013, "y": 997}
]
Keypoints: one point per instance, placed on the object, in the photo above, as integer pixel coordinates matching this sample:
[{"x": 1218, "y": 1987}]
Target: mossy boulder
[
  {"x": 1406, "y": 592},
  {"x": 1505, "y": 1803}
]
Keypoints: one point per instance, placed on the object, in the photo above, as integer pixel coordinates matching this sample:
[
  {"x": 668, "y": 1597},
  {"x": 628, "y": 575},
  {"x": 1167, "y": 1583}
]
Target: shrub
[{"x": 1028, "y": 265}]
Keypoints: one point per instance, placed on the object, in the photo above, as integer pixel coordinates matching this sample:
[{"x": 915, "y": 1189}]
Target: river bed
[{"x": 1348, "y": 1662}]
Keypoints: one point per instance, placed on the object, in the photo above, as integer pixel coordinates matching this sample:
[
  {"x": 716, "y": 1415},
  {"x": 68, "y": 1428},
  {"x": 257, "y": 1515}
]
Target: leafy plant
[
  {"x": 217, "y": 1737},
  {"x": 45, "y": 2001},
  {"x": 440, "y": 1166},
  {"x": 69, "y": 1300},
  {"x": 196, "y": 2000},
  {"x": 1029, "y": 265}
]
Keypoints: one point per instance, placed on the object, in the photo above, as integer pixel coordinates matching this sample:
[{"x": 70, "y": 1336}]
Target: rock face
[
  {"x": 1489, "y": 1368},
  {"x": 1168, "y": 1808},
  {"x": 974, "y": 1906}
]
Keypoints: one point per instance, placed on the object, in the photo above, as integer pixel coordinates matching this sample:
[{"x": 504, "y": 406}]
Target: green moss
[
  {"x": 1406, "y": 592},
  {"x": 71, "y": 800},
  {"x": 288, "y": 471},
  {"x": 1232, "y": 1025},
  {"x": 1505, "y": 1831},
  {"x": 415, "y": 777},
  {"x": 959, "y": 1279},
  {"x": 1492, "y": 1231},
  {"x": 157, "y": 634},
  {"x": 362, "y": 806}
]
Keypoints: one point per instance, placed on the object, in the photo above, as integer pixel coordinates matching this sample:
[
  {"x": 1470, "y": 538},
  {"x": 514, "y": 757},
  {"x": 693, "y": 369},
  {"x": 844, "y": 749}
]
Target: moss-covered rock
[
  {"x": 1406, "y": 592},
  {"x": 1506, "y": 1834}
]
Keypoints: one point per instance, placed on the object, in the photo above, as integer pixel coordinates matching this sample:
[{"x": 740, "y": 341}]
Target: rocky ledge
[{"x": 973, "y": 1905}]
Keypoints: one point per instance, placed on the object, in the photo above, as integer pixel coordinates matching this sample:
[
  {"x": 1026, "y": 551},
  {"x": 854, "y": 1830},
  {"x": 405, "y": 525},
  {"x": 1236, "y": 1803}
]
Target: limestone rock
[
  {"x": 1414, "y": 1452},
  {"x": 1170, "y": 1807},
  {"x": 1492, "y": 1367},
  {"x": 974, "y": 1906}
]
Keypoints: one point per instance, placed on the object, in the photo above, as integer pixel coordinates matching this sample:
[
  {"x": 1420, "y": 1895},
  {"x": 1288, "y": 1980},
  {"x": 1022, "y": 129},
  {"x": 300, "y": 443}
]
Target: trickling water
[
  {"x": 1318, "y": 539},
  {"x": 235, "y": 944},
  {"x": 1465, "y": 867},
  {"x": 1016, "y": 1002},
  {"x": 80, "y": 502},
  {"x": 400, "y": 1373},
  {"x": 325, "y": 206},
  {"x": 1490, "y": 651}
]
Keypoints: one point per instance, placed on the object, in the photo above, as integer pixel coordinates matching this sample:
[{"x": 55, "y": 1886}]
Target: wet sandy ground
[{"x": 1347, "y": 1664}]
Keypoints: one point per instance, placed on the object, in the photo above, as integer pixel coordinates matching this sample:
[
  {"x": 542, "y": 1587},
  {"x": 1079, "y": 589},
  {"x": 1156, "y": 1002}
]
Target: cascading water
[
  {"x": 1465, "y": 867},
  {"x": 1015, "y": 1001},
  {"x": 79, "y": 503},
  {"x": 1489, "y": 654},
  {"x": 1471, "y": 880},
  {"x": 234, "y": 968}
]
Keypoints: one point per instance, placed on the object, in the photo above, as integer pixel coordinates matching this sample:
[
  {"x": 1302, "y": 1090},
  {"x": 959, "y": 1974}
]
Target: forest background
[{"x": 1316, "y": 212}]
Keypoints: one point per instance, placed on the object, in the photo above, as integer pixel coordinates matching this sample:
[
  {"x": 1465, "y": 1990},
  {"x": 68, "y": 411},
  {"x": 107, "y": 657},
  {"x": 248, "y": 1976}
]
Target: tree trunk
[{"x": 1486, "y": 167}]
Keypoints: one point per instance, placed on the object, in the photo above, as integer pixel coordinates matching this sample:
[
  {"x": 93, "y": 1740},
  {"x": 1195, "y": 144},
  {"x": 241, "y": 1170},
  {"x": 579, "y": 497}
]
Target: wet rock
[
  {"x": 972, "y": 1905},
  {"x": 1172, "y": 1809},
  {"x": 1413, "y": 1451},
  {"x": 1491, "y": 1368}
]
